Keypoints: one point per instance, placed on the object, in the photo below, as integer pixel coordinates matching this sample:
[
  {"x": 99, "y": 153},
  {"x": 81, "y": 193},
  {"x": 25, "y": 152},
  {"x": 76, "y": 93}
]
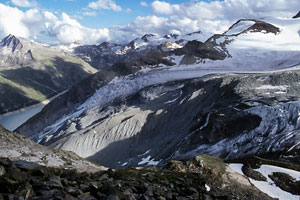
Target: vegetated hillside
[{"x": 32, "y": 72}]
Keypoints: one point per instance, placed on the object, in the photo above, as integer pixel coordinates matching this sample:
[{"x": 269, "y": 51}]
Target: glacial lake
[{"x": 13, "y": 120}]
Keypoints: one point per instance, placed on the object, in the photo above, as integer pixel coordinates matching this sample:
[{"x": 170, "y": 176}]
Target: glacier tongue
[{"x": 279, "y": 124}]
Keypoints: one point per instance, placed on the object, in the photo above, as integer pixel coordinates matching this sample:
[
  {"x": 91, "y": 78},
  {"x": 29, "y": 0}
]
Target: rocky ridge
[
  {"x": 31, "y": 73},
  {"x": 20, "y": 149},
  {"x": 201, "y": 178}
]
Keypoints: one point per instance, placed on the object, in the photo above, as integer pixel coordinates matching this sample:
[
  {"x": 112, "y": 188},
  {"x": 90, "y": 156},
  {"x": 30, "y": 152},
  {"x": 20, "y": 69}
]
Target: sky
[{"x": 119, "y": 21}]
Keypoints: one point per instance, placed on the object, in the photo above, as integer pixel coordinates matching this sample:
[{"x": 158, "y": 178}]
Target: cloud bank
[
  {"x": 24, "y": 3},
  {"x": 105, "y": 4},
  {"x": 210, "y": 17}
]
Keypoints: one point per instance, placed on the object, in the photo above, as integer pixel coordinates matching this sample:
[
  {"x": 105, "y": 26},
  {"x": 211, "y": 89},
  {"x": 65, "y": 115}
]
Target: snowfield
[{"x": 269, "y": 187}]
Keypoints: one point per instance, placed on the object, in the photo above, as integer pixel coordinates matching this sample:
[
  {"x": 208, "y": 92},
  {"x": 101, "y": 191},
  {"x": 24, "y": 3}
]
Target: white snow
[
  {"x": 144, "y": 153},
  {"x": 148, "y": 161},
  {"x": 207, "y": 188},
  {"x": 269, "y": 169},
  {"x": 272, "y": 87},
  {"x": 240, "y": 27},
  {"x": 269, "y": 187},
  {"x": 175, "y": 59},
  {"x": 237, "y": 167}
]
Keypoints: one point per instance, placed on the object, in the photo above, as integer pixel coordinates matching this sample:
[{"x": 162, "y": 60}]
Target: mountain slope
[
  {"x": 19, "y": 148},
  {"x": 146, "y": 50},
  {"x": 232, "y": 96},
  {"x": 31, "y": 72}
]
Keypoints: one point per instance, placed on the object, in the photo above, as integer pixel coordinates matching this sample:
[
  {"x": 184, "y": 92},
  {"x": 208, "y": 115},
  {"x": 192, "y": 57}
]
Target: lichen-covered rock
[{"x": 178, "y": 180}]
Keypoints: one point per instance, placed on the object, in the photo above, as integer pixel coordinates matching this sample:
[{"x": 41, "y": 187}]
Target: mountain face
[
  {"x": 297, "y": 15},
  {"x": 32, "y": 72},
  {"x": 139, "y": 52},
  {"x": 234, "y": 95},
  {"x": 12, "y": 52}
]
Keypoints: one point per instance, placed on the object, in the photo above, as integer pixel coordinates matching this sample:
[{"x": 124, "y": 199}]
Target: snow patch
[
  {"x": 237, "y": 167},
  {"x": 269, "y": 187},
  {"x": 271, "y": 87},
  {"x": 148, "y": 161},
  {"x": 207, "y": 188},
  {"x": 240, "y": 27}
]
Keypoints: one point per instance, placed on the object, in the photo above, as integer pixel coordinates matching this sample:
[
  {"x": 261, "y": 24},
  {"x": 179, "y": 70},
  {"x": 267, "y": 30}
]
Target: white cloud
[
  {"x": 128, "y": 10},
  {"x": 143, "y": 3},
  {"x": 46, "y": 26},
  {"x": 209, "y": 17},
  {"x": 104, "y": 4},
  {"x": 162, "y": 7},
  {"x": 24, "y": 3},
  {"x": 11, "y": 22},
  {"x": 89, "y": 13},
  {"x": 69, "y": 30},
  {"x": 216, "y": 16},
  {"x": 228, "y": 9}
]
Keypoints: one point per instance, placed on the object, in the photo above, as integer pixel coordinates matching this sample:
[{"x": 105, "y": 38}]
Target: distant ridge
[{"x": 297, "y": 16}]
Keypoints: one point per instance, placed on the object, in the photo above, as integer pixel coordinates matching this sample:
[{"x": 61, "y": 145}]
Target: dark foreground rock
[{"x": 203, "y": 177}]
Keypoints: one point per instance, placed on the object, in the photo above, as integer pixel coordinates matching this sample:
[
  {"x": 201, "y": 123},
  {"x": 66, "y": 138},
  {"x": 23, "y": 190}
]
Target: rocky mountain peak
[
  {"x": 171, "y": 35},
  {"x": 297, "y": 16},
  {"x": 250, "y": 25},
  {"x": 12, "y": 42},
  {"x": 194, "y": 33},
  {"x": 147, "y": 36}
]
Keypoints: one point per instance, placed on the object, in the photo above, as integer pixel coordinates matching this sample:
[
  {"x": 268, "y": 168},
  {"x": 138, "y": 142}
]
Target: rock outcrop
[{"x": 202, "y": 178}]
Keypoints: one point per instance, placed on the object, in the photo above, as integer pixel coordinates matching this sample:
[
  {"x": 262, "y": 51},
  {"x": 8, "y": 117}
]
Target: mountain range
[
  {"x": 31, "y": 72},
  {"x": 158, "y": 100}
]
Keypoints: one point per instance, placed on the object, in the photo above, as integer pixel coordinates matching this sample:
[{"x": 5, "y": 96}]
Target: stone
[
  {"x": 17, "y": 175},
  {"x": 5, "y": 162},
  {"x": 46, "y": 193},
  {"x": 8, "y": 186},
  {"x": 55, "y": 183},
  {"x": 39, "y": 171},
  {"x": 84, "y": 188},
  {"x": 113, "y": 197},
  {"x": 26, "y": 191},
  {"x": 149, "y": 192},
  {"x": 26, "y": 165},
  {"x": 40, "y": 186},
  {"x": 74, "y": 191},
  {"x": 2, "y": 171}
]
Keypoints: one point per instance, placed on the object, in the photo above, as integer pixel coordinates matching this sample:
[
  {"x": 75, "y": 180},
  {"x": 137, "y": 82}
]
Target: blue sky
[
  {"x": 95, "y": 21},
  {"x": 104, "y": 18}
]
